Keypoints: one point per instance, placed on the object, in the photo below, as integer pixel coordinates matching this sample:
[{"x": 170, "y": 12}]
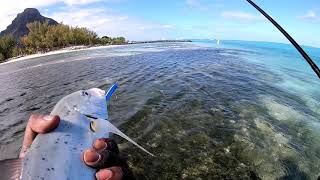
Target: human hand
[
  {"x": 37, "y": 124},
  {"x": 103, "y": 156}
]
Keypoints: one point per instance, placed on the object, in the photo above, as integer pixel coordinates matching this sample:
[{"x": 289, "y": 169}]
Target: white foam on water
[
  {"x": 119, "y": 54},
  {"x": 280, "y": 138},
  {"x": 280, "y": 111},
  {"x": 313, "y": 104},
  {"x": 294, "y": 85},
  {"x": 59, "y": 62},
  {"x": 69, "y": 60},
  {"x": 303, "y": 85},
  {"x": 46, "y": 64},
  {"x": 141, "y": 50},
  {"x": 283, "y": 112},
  {"x": 113, "y": 53}
]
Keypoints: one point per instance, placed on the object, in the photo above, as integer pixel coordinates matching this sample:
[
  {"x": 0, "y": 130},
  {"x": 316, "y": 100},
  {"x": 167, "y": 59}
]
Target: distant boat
[{"x": 218, "y": 42}]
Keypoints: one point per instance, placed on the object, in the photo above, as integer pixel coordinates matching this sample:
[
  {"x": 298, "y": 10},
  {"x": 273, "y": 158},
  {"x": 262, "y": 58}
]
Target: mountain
[{"x": 18, "y": 27}]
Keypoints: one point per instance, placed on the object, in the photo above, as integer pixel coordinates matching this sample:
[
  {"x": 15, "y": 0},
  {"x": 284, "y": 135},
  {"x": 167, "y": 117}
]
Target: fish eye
[{"x": 85, "y": 93}]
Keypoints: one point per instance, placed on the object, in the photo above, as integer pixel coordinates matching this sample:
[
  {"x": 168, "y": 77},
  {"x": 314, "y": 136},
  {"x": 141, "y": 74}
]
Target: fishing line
[{"x": 293, "y": 42}]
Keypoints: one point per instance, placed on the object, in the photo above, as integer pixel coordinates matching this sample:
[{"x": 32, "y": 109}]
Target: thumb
[{"x": 37, "y": 124}]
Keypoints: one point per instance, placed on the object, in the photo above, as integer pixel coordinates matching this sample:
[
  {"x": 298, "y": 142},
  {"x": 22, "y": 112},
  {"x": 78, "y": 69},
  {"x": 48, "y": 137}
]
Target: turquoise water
[
  {"x": 241, "y": 110},
  {"x": 294, "y": 73},
  {"x": 298, "y": 110}
]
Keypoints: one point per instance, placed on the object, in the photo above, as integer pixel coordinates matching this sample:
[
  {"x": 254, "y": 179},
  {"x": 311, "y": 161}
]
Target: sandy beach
[{"x": 60, "y": 51}]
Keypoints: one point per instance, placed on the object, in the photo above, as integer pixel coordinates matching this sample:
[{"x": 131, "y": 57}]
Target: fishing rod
[{"x": 293, "y": 42}]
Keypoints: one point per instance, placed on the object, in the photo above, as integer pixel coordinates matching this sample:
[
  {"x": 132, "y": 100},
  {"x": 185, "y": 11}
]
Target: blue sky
[{"x": 170, "y": 19}]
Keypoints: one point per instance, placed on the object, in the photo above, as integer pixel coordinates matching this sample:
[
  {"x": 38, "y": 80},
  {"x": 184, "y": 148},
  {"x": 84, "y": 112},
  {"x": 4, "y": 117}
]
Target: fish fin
[
  {"x": 10, "y": 169},
  {"x": 111, "y": 90},
  {"x": 111, "y": 128}
]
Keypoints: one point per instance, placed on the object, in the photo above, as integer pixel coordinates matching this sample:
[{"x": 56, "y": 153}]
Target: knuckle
[{"x": 33, "y": 116}]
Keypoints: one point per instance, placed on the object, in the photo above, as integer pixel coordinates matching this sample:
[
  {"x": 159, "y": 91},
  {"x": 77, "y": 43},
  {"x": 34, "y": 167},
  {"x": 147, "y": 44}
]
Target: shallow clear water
[{"x": 241, "y": 110}]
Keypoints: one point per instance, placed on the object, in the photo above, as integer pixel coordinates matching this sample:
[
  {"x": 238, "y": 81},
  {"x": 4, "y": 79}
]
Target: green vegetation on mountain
[
  {"x": 8, "y": 47},
  {"x": 43, "y": 37}
]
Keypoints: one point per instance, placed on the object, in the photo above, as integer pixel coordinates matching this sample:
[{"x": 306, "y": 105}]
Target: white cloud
[
  {"x": 9, "y": 9},
  {"x": 167, "y": 26},
  {"x": 241, "y": 16},
  {"x": 76, "y": 2},
  {"x": 106, "y": 22},
  {"x": 310, "y": 16},
  {"x": 192, "y": 2},
  {"x": 196, "y": 4},
  {"x": 101, "y": 20},
  {"x": 205, "y": 5}
]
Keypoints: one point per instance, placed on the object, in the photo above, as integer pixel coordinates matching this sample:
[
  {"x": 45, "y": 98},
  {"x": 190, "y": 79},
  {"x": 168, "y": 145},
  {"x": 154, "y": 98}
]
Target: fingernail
[
  {"x": 100, "y": 144},
  {"x": 104, "y": 174},
  {"x": 91, "y": 156},
  {"x": 48, "y": 117}
]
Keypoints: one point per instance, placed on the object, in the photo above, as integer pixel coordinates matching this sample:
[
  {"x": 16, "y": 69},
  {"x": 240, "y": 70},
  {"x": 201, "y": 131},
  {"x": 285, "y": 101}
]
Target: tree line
[{"x": 43, "y": 37}]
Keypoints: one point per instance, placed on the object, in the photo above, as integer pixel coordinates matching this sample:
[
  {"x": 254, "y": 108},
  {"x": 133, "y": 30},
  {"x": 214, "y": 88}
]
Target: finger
[
  {"x": 91, "y": 157},
  {"x": 101, "y": 159},
  {"x": 37, "y": 124},
  {"x": 106, "y": 144},
  {"x": 43, "y": 123},
  {"x": 112, "y": 173}
]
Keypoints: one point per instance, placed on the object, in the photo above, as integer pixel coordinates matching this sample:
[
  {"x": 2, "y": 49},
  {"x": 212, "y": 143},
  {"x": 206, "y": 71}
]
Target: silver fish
[{"x": 57, "y": 155}]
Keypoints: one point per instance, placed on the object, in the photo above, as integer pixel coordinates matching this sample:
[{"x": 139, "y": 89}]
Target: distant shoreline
[
  {"x": 52, "y": 52},
  {"x": 80, "y": 48},
  {"x": 158, "y": 41}
]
